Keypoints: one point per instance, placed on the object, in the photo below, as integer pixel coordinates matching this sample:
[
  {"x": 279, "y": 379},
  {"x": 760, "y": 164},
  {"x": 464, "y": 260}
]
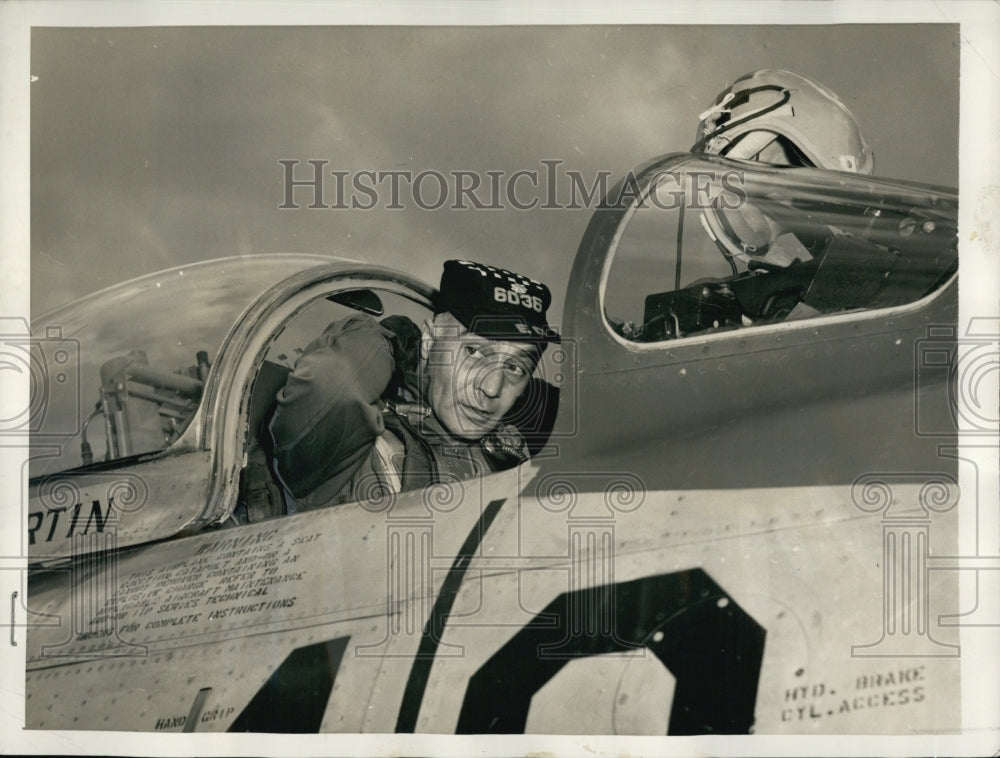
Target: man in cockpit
[{"x": 375, "y": 408}]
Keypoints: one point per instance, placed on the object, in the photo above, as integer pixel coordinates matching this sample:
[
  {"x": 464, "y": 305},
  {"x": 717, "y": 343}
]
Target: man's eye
[
  {"x": 472, "y": 351},
  {"x": 515, "y": 370}
]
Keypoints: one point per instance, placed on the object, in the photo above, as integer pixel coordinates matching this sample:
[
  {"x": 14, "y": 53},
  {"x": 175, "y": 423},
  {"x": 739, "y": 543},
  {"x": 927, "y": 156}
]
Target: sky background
[{"x": 156, "y": 147}]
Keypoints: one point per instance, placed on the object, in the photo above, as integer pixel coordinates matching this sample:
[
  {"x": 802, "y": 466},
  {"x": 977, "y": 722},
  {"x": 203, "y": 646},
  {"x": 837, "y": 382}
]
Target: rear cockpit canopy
[{"x": 120, "y": 372}]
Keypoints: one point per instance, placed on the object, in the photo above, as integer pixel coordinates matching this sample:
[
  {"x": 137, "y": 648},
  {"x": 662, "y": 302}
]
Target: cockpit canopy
[
  {"x": 714, "y": 245},
  {"x": 120, "y": 373}
]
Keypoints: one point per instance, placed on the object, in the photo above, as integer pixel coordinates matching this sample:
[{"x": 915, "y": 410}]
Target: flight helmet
[{"x": 781, "y": 117}]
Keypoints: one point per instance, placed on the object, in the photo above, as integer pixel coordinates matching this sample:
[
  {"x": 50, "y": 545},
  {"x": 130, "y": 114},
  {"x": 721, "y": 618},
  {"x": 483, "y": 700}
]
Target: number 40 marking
[{"x": 712, "y": 647}]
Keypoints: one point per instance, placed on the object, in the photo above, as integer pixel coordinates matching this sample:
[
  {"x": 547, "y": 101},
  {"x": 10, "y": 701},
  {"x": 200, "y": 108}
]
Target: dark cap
[{"x": 496, "y": 303}]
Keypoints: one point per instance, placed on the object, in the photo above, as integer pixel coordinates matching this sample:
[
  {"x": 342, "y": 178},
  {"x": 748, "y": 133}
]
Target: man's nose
[{"x": 491, "y": 381}]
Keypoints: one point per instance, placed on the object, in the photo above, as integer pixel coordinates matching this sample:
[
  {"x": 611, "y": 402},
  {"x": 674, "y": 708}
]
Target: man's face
[{"x": 472, "y": 381}]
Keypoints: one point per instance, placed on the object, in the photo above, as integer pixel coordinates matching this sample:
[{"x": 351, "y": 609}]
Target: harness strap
[
  {"x": 419, "y": 464},
  {"x": 389, "y": 454}
]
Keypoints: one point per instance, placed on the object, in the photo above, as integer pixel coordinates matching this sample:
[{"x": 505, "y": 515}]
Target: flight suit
[{"x": 343, "y": 430}]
